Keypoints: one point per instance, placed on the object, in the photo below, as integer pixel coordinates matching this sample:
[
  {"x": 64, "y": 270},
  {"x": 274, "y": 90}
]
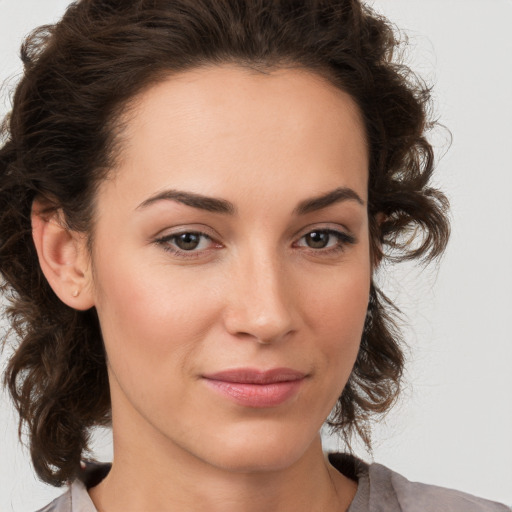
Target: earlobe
[{"x": 63, "y": 257}]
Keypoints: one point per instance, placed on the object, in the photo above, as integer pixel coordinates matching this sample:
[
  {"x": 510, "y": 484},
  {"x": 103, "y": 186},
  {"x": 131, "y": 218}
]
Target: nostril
[{"x": 263, "y": 328}]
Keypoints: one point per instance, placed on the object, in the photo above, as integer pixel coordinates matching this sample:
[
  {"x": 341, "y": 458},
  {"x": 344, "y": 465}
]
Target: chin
[{"x": 263, "y": 449}]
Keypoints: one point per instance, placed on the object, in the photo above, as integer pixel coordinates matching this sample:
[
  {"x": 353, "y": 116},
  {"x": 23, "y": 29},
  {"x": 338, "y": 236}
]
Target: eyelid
[
  {"x": 325, "y": 226},
  {"x": 166, "y": 236},
  {"x": 164, "y": 239},
  {"x": 344, "y": 236},
  {"x": 170, "y": 231}
]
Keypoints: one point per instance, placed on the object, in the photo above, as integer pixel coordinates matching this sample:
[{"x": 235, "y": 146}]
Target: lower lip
[{"x": 256, "y": 395}]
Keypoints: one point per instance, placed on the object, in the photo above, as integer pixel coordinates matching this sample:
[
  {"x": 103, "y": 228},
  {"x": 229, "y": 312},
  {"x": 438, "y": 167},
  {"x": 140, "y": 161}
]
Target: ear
[{"x": 63, "y": 256}]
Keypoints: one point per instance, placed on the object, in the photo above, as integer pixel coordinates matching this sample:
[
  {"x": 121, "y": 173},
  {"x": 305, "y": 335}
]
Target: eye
[
  {"x": 186, "y": 243},
  {"x": 189, "y": 241},
  {"x": 326, "y": 240},
  {"x": 318, "y": 239}
]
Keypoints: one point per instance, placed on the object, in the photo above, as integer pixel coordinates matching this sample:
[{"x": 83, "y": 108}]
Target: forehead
[{"x": 206, "y": 127}]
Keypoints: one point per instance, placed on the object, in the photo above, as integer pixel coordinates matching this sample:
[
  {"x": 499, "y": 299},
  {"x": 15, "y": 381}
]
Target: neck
[
  {"x": 146, "y": 481},
  {"x": 152, "y": 472}
]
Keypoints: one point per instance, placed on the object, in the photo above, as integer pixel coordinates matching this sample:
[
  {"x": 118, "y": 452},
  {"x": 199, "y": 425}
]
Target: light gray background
[{"x": 453, "y": 425}]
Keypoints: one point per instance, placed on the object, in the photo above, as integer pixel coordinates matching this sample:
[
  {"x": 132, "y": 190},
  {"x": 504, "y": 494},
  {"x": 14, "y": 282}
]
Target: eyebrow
[
  {"x": 210, "y": 204},
  {"x": 337, "y": 195},
  {"x": 216, "y": 205}
]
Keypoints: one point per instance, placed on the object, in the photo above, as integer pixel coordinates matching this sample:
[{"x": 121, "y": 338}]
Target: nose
[{"x": 260, "y": 301}]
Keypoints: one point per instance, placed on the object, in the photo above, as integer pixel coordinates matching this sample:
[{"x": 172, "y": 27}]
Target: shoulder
[
  {"x": 76, "y": 498},
  {"x": 416, "y": 497},
  {"x": 60, "y": 504},
  {"x": 382, "y": 490}
]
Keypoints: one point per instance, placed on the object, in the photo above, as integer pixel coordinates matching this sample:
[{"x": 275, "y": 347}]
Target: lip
[{"x": 255, "y": 388}]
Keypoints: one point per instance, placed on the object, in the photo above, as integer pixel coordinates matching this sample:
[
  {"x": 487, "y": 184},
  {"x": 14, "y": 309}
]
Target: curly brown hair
[{"x": 60, "y": 142}]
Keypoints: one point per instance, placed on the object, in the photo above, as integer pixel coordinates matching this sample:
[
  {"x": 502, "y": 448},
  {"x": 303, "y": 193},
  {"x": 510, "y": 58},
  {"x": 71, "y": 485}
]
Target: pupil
[
  {"x": 317, "y": 239},
  {"x": 187, "y": 241}
]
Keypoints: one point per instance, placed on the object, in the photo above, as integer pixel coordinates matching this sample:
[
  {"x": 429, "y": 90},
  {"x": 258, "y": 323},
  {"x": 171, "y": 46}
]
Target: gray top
[{"x": 379, "y": 490}]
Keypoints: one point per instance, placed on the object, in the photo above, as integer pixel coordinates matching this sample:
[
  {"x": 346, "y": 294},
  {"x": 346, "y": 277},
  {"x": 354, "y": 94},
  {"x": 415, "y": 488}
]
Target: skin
[{"x": 254, "y": 292}]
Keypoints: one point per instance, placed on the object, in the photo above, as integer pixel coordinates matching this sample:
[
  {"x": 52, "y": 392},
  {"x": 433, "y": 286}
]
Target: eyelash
[
  {"x": 165, "y": 242},
  {"x": 343, "y": 240}
]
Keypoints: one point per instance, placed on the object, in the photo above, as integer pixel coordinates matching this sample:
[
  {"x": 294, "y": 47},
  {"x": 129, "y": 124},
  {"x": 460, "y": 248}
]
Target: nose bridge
[{"x": 259, "y": 304}]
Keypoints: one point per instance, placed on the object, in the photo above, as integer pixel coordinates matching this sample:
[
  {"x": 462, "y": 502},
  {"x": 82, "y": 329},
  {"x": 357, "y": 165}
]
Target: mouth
[{"x": 254, "y": 388}]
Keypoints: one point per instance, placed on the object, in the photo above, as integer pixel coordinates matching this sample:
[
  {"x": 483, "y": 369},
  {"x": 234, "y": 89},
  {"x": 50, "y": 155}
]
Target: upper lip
[{"x": 255, "y": 376}]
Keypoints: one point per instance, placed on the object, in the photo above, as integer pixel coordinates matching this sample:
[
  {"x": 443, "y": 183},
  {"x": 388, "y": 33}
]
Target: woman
[{"x": 195, "y": 198}]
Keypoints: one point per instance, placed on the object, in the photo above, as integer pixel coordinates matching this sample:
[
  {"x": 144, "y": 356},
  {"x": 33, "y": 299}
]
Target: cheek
[
  {"x": 339, "y": 302},
  {"x": 337, "y": 315},
  {"x": 158, "y": 322},
  {"x": 150, "y": 319}
]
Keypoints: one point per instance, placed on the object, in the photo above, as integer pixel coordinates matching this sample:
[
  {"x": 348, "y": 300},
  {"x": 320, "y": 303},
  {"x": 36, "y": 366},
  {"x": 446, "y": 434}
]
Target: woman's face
[{"x": 231, "y": 265}]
